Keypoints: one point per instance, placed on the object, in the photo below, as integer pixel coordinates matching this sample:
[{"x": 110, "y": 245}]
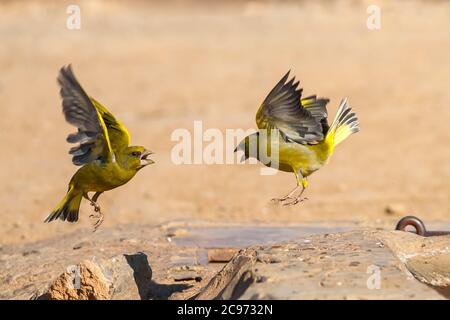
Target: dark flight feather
[
  {"x": 80, "y": 112},
  {"x": 282, "y": 109}
]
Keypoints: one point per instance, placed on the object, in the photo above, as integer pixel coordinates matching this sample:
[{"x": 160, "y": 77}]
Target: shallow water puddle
[{"x": 240, "y": 237}]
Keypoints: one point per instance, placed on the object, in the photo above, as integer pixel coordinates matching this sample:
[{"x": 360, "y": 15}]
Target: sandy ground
[{"x": 160, "y": 67}]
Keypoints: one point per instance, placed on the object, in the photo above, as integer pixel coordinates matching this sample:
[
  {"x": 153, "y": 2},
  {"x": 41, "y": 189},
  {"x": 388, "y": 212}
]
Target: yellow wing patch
[
  {"x": 118, "y": 135},
  {"x": 105, "y": 132}
]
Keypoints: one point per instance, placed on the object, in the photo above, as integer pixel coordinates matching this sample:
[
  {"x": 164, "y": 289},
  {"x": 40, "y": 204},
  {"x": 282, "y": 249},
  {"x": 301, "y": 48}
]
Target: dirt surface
[
  {"x": 175, "y": 259},
  {"x": 159, "y": 67},
  {"x": 132, "y": 262},
  {"x": 186, "y": 262}
]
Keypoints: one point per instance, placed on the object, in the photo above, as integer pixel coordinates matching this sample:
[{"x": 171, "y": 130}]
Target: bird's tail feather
[
  {"x": 344, "y": 124},
  {"x": 68, "y": 208}
]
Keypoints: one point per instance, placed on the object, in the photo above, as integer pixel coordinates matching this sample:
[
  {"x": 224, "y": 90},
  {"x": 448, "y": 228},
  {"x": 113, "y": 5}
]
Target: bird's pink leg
[
  {"x": 297, "y": 199},
  {"x": 286, "y": 197},
  {"x": 98, "y": 215}
]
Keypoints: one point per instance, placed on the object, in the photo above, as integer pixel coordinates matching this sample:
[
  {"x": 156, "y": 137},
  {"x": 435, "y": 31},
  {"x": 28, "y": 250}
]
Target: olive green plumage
[
  {"x": 103, "y": 152},
  {"x": 295, "y": 131}
]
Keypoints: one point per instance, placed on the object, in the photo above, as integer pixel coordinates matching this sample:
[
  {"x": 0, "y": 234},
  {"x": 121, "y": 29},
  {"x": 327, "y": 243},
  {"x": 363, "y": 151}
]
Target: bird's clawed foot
[
  {"x": 294, "y": 201},
  {"x": 98, "y": 216},
  {"x": 290, "y": 199},
  {"x": 281, "y": 200}
]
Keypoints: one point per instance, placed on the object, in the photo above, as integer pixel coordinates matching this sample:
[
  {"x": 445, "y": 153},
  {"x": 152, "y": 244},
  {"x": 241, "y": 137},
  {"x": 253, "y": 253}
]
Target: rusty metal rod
[{"x": 419, "y": 226}]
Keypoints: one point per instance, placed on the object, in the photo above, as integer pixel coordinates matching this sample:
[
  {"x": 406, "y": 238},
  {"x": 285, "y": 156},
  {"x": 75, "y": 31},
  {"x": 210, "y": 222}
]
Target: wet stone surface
[{"x": 352, "y": 265}]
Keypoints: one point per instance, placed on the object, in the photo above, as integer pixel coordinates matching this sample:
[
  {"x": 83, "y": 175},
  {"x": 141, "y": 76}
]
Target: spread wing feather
[
  {"x": 99, "y": 133},
  {"x": 282, "y": 109},
  {"x": 318, "y": 109},
  {"x": 118, "y": 135}
]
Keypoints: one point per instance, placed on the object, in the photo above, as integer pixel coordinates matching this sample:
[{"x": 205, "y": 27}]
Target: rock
[
  {"x": 185, "y": 273},
  {"x": 395, "y": 209},
  {"x": 221, "y": 254},
  {"x": 349, "y": 265},
  {"x": 232, "y": 280},
  {"x": 121, "y": 277},
  {"x": 85, "y": 281},
  {"x": 176, "y": 232},
  {"x": 427, "y": 258},
  {"x": 128, "y": 269},
  {"x": 82, "y": 244},
  {"x": 129, "y": 241},
  {"x": 26, "y": 253}
]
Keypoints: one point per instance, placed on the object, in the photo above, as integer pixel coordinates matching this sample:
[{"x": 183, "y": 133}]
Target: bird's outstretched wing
[
  {"x": 318, "y": 109},
  {"x": 283, "y": 110},
  {"x": 119, "y": 136},
  {"x": 93, "y": 121}
]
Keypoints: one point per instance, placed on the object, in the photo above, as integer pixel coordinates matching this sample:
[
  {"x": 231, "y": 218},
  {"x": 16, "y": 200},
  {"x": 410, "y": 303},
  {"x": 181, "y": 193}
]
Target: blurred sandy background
[{"x": 160, "y": 66}]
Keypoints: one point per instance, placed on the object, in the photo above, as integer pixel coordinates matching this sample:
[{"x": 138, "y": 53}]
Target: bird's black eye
[{"x": 136, "y": 154}]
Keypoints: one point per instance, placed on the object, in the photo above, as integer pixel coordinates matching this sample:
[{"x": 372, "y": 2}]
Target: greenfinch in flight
[
  {"x": 294, "y": 131},
  {"x": 103, "y": 152}
]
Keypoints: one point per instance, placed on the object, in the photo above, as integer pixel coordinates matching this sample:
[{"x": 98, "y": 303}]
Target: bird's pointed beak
[{"x": 144, "y": 158}]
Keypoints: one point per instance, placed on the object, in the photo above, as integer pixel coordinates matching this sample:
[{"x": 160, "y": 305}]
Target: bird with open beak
[
  {"x": 103, "y": 152},
  {"x": 304, "y": 141}
]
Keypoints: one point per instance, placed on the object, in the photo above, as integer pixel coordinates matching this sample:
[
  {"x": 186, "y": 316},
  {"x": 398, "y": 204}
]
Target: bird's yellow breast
[
  {"x": 302, "y": 157},
  {"x": 97, "y": 176}
]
